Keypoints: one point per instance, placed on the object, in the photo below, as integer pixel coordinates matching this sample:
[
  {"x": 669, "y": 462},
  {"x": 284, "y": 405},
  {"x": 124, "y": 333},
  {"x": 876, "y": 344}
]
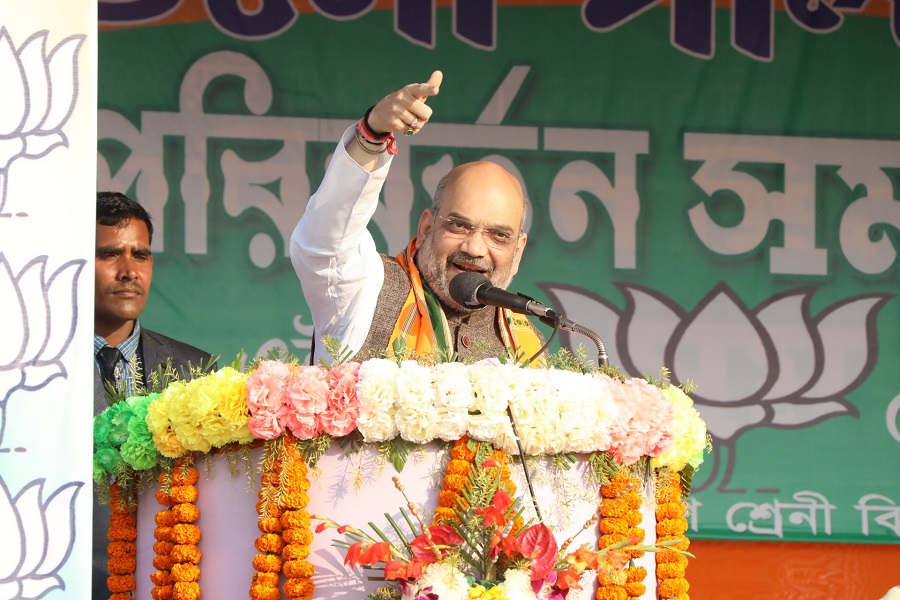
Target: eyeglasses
[{"x": 495, "y": 238}]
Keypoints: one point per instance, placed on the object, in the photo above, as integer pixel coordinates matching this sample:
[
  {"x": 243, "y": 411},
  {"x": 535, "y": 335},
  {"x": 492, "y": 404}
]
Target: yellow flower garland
[
  {"x": 122, "y": 550},
  {"x": 620, "y": 509},
  {"x": 671, "y": 524}
]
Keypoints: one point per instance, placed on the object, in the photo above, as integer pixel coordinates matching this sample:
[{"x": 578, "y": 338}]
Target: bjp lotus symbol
[
  {"x": 39, "y": 92},
  {"x": 38, "y": 537},
  {"x": 39, "y": 324},
  {"x": 776, "y": 365}
]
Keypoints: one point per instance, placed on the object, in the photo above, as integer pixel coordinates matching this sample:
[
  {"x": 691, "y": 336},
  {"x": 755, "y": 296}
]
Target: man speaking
[{"x": 369, "y": 301}]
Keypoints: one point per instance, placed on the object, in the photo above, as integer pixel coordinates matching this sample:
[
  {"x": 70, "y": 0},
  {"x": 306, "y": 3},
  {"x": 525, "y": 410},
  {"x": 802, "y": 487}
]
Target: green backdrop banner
[{"x": 712, "y": 191}]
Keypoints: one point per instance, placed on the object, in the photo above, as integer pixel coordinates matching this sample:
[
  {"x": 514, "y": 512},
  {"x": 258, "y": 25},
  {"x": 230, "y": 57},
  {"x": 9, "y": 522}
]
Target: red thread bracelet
[{"x": 371, "y": 137}]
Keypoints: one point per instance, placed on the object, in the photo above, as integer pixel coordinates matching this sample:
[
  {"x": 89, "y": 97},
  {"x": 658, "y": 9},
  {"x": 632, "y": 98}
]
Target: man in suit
[
  {"x": 125, "y": 354},
  {"x": 123, "y": 273}
]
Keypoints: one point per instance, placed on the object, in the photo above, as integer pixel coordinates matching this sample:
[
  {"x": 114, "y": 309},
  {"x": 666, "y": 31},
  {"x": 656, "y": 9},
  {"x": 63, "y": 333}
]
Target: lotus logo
[
  {"x": 776, "y": 365},
  {"x": 39, "y": 92},
  {"x": 39, "y": 324},
  {"x": 37, "y": 539}
]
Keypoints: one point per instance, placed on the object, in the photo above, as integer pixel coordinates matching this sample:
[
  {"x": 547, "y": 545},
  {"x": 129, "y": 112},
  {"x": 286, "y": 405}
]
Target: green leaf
[
  {"x": 398, "y": 451},
  {"x": 314, "y": 449},
  {"x": 687, "y": 475}
]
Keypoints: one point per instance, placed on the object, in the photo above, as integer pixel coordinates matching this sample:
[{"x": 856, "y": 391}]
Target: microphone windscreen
[{"x": 464, "y": 288}]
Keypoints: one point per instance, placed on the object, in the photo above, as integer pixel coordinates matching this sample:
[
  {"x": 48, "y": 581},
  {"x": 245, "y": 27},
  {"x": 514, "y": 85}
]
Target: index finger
[{"x": 421, "y": 91}]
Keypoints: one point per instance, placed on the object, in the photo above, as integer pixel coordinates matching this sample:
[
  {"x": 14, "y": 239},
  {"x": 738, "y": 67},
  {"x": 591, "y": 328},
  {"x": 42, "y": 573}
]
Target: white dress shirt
[{"x": 334, "y": 254}]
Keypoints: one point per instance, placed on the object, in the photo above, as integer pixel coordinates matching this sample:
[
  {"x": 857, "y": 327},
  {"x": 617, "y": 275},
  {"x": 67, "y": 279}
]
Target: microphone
[{"x": 474, "y": 290}]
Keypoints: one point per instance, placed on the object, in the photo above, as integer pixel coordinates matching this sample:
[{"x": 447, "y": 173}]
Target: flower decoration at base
[
  {"x": 480, "y": 544},
  {"x": 479, "y": 552}
]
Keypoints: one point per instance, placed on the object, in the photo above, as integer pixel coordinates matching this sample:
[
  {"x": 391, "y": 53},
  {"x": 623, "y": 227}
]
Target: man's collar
[{"x": 128, "y": 346}]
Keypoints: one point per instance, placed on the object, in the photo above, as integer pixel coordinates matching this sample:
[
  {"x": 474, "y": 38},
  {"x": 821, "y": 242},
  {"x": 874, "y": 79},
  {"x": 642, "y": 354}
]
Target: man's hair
[
  {"x": 114, "y": 207},
  {"x": 442, "y": 186}
]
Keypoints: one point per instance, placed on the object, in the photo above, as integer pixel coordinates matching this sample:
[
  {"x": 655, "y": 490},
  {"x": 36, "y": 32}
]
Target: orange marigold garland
[
  {"x": 463, "y": 454},
  {"x": 295, "y": 522},
  {"x": 162, "y": 577},
  {"x": 284, "y": 524},
  {"x": 455, "y": 476},
  {"x": 122, "y": 550},
  {"x": 671, "y": 524},
  {"x": 267, "y": 564},
  {"x": 620, "y": 509},
  {"x": 177, "y": 559}
]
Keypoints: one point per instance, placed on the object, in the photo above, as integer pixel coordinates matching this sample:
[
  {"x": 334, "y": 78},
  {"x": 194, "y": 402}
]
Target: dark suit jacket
[{"x": 154, "y": 350}]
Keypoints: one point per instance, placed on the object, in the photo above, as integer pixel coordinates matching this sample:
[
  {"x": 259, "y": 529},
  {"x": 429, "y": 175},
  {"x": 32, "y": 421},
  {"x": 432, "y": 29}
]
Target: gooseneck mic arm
[
  {"x": 559, "y": 322},
  {"x": 474, "y": 290}
]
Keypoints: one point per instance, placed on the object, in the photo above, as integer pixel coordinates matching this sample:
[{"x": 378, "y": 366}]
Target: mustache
[
  {"x": 128, "y": 287},
  {"x": 464, "y": 257}
]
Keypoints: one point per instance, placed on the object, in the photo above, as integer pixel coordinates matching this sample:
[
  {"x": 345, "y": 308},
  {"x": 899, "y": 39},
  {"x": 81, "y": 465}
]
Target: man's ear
[
  {"x": 426, "y": 222},
  {"x": 517, "y": 253}
]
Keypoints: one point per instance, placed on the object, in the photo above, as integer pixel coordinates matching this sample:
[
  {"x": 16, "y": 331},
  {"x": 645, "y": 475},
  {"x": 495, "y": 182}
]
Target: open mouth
[{"x": 463, "y": 266}]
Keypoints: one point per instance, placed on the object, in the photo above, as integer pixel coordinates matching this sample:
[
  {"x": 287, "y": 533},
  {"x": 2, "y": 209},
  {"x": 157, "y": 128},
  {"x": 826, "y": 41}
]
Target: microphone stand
[
  {"x": 512, "y": 421},
  {"x": 567, "y": 325}
]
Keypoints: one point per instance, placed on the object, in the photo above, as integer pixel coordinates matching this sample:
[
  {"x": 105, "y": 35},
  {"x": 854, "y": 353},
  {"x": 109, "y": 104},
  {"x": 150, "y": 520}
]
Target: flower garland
[
  {"x": 284, "y": 524},
  {"x": 671, "y": 524},
  {"x": 450, "y": 496},
  {"x": 295, "y": 523},
  {"x": 177, "y": 554},
  {"x": 463, "y": 454},
  {"x": 623, "y": 419},
  {"x": 269, "y": 544},
  {"x": 620, "y": 511},
  {"x": 122, "y": 550},
  {"x": 162, "y": 562}
]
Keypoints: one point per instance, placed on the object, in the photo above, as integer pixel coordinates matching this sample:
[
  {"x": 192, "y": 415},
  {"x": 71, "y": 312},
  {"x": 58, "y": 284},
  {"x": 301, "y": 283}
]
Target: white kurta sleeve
[{"x": 334, "y": 254}]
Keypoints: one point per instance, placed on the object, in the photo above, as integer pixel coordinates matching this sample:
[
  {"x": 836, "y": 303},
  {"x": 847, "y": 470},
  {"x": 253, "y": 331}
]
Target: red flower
[
  {"x": 508, "y": 546},
  {"x": 583, "y": 559},
  {"x": 539, "y": 546},
  {"x": 568, "y": 580},
  {"x": 362, "y": 553},
  {"x": 321, "y": 527},
  {"x": 495, "y": 513},
  {"x": 396, "y": 569},
  {"x": 613, "y": 560},
  {"x": 442, "y": 536}
]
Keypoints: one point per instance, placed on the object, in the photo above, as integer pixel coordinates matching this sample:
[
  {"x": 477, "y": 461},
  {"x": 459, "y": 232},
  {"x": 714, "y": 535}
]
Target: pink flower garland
[
  {"x": 342, "y": 413},
  {"x": 306, "y": 400},
  {"x": 265, "y": 394},
  {"x": 648, "y": 416}
]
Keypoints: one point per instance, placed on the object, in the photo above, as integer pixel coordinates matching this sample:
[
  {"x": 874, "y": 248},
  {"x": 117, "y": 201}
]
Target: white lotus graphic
[
  {"x": 39, "y": 92},
  {"x": 776, "y": 365},
  {"x": 38, "y": 537},
  {"x": 39, "y": 324}
]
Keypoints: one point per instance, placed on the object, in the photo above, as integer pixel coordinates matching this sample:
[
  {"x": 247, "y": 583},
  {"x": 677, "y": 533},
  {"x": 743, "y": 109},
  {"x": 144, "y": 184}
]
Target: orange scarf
[{"x": 423, "y": 325}]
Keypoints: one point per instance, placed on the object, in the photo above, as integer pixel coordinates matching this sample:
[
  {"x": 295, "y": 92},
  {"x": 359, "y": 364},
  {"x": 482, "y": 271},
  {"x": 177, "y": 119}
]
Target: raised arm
[
  {"x": 332, "y": 252},
  {"x": 396, "y": 114}
]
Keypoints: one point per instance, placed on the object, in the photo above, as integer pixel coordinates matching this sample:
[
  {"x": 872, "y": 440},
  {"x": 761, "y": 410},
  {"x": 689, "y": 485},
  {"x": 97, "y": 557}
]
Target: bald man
[{"x": 371, "y": 302}]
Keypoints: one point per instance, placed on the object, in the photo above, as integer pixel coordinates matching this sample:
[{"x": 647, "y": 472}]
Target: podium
[{"x": 560, "y": 411}]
